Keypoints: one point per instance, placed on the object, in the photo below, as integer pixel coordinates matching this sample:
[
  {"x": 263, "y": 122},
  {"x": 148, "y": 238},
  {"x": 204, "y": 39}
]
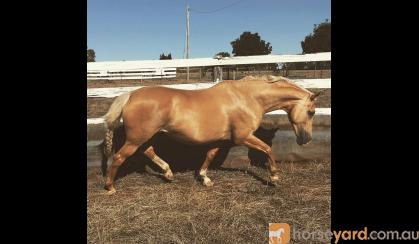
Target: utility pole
[{"x": 187, "y": 40}]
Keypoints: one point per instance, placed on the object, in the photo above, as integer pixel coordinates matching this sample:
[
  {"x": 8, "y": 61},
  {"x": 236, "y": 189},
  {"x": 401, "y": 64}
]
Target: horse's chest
[{"x": 245, "y": 120}]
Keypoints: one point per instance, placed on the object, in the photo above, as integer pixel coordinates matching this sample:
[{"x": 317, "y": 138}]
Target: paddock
[
  {"x": 241, "y": 204},
  {"x": 237, "y": 209}
]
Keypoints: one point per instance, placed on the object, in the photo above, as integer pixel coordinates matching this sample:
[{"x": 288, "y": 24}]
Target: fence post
[
  {"x": 217, "y": 74},
  {"x": 214, "y": 74}
]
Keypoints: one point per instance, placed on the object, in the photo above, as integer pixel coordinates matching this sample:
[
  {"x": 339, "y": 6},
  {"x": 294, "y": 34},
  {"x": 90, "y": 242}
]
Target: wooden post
[
  {"x": 187, "y": 40},
  {"x": 220, "y": 73},
  {"x": 213, "y": 74}
]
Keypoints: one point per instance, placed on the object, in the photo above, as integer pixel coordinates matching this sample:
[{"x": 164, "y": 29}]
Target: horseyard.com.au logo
[{"x": 279, "y": 233}]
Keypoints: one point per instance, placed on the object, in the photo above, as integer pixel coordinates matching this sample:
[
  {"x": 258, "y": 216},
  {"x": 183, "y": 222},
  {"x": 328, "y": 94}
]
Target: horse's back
[
  {"x": 162, "y": 102},
  {"x": 197, "y": 116}
]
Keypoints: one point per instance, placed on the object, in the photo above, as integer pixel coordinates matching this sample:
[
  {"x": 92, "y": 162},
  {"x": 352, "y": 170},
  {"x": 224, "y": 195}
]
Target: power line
[{"x": 216, "y": 10}]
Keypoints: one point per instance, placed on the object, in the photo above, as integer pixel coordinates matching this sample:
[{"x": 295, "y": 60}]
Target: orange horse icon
[{"x": 279, "y": 233}]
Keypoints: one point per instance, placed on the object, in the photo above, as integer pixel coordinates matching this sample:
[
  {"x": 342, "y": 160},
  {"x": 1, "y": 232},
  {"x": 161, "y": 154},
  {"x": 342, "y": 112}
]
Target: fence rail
[
  {"x": 319, "y": 111},
  {"x": 197, "y": 62},
  {"x": 157, "y": 73},
  {"x": 116, "y": 91}
]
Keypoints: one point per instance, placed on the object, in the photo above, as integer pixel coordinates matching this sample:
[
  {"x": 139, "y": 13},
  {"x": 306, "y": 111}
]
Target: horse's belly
[{"x": 197, "y": 136}]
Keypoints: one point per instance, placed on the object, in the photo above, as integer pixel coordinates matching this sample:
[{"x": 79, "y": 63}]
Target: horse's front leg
[
  {"x": 255, "y": 143},
  {"x": 203, "y": 171}
]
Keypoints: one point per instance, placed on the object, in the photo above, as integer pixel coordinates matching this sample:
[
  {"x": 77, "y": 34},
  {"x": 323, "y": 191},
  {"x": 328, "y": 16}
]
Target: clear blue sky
[{"x": 143, "y": 29}]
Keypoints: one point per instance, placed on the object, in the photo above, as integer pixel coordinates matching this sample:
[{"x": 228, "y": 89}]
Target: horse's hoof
[
  {"x": 274, "y": 177},
  {"x": 169, "y": 176},
  {"x": 110, "y": 191},
  {"x": 208, "y": 183}
]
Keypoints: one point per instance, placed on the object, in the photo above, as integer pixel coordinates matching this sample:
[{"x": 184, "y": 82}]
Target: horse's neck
[
  {"x": 275, "y": 98},
  {"x": 269, "y": 97}
]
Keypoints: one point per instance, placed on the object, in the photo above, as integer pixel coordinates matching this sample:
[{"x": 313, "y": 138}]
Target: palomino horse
[{"x": 228, "y": 111}]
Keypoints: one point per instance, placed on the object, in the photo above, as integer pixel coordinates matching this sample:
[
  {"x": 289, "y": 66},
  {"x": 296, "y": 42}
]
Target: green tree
[
  {"x": 164, "y": 57},
  {"x": 223, "y": 54},
  {"x": 317, "y": 41},
  {"x": 249, "y": 44},
  {"x": 91, "y": 55}
]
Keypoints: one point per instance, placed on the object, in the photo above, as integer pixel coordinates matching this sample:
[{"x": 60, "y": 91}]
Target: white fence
[
  {"x": 158, "y": 68},
  {"x": 125, "y": 74},
  {"x": 199, "y": 62},
  {"x": 150, "y": 69},
  {"x": 116, "y": 91}
]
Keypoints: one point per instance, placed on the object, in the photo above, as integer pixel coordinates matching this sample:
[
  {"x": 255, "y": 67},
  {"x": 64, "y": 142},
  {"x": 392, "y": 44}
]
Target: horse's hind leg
[
  {"x": 149, "y": 152},
  {"x": 203, "y": 171},
  {"x": 126, "y": 150}
]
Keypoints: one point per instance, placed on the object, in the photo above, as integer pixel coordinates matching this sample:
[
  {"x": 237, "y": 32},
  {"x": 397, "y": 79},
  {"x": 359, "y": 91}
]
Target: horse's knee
[
  {"x": 117, "y": 157},
  {"x": 211, "y": 154},
  {"x": 239, "y": 141},
  {"x": 149, "y": 152}
]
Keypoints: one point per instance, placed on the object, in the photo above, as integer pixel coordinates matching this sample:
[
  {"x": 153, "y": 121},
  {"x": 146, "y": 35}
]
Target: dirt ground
[{"x": 237, "y": 209}]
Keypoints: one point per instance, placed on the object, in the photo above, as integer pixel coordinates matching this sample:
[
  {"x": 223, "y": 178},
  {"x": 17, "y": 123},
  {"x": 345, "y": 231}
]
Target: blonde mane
[
  {"x": 273, "y": 79},
  {"x": 270, "y": 78}
]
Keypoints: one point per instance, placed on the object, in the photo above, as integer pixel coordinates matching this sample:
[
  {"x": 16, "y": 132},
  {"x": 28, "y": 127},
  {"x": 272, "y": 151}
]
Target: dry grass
[{"x": 236, "y": 210}]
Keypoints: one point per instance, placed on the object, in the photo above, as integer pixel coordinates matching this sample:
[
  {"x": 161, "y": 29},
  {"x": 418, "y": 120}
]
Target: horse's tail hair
[{"x": 112, "y": 120}]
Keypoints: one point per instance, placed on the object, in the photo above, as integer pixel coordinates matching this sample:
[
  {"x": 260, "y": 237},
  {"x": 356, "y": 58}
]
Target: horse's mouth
[{"x": 303, "y": 142}]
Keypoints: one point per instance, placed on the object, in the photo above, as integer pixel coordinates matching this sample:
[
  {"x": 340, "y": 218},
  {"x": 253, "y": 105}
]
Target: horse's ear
[{"x": 315, "y": 95}]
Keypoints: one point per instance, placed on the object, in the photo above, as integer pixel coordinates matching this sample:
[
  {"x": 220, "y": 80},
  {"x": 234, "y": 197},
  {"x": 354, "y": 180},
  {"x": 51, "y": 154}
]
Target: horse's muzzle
[{"x": 304, "y": 139}]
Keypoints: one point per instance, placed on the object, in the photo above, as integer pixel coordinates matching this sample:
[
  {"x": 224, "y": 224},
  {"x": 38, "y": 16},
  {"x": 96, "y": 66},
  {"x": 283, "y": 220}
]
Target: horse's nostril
[{"x": 300, "y": 141}]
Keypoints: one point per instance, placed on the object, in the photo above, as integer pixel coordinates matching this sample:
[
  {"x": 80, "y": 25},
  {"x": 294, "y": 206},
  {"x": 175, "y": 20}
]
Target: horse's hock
[{"x": 275, "y": 130}]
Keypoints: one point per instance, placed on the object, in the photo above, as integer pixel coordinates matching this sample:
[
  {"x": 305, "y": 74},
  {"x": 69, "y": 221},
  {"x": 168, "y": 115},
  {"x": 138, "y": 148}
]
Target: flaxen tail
[{"x": 112, "y": 121}]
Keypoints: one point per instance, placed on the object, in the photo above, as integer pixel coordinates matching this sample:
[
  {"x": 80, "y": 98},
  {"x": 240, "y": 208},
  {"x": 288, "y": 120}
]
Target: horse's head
[{"x": 301, "y": 118}]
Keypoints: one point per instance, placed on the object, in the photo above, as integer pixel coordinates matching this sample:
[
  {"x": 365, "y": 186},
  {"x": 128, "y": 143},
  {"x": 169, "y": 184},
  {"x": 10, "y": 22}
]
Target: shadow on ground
[{"x": 181, "y": 157}]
